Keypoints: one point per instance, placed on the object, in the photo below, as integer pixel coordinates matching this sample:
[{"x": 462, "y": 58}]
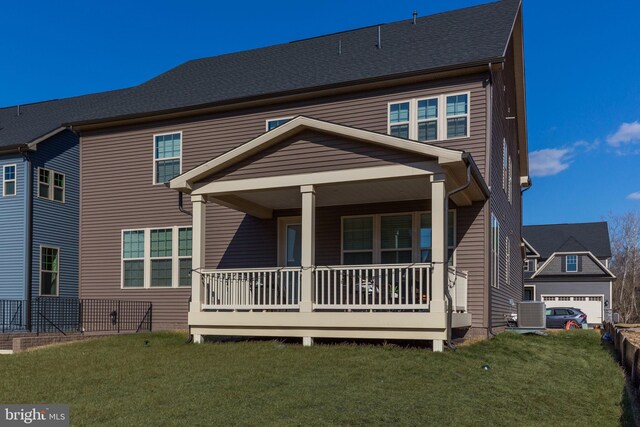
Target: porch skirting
[{"x": 422, "y": 326}]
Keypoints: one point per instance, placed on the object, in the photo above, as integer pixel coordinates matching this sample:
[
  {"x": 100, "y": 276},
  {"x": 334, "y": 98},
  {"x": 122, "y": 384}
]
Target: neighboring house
[
  {"x": 567, "y": 265},
  {"x": 39, "y": 206},
  {"x": 364, "y": 184}
]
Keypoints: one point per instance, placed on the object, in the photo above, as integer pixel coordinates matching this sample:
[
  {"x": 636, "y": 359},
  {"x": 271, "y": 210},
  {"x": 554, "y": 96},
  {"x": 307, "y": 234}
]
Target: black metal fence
[{"x": 63, "y": 315}]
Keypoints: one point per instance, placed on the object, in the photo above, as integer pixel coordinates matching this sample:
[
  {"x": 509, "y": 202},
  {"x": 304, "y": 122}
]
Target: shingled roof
[
  {"x": 459, "y": 38},
  {"x": 580, "y": 237}
]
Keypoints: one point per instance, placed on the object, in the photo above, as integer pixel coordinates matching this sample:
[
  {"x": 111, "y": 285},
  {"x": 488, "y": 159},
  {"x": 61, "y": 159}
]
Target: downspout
[
  {"x": 29, "y": 232},
  {"x": 180, "y": 205},
  {"x": 447, "y": 294},
  {"x": 182, "y": 209}
]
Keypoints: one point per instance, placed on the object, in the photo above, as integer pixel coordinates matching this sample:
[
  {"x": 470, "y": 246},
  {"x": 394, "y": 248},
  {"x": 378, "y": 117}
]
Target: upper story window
[
  {"x": 167, "y": 164},
  {"x": 9, "y": 180},
  {"x": 457, "y": 116},
  {"x": 572, "y": 263},
  {"x": 274, "y": 123},
  {"x": 421, "y": 118},
  {"x": 51, "y": 185}
]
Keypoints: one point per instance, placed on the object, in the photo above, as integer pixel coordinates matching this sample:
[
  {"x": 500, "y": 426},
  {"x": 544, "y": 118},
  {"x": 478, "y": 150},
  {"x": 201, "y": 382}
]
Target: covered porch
[{"x": 386, "y": 286}]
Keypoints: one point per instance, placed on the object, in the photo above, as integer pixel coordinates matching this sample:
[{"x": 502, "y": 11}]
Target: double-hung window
[
  {"x": 49, "y": 271},
  {"x": 572, "y": 263},
  {"x": 357, "y": 240},
  {"x": 167, "y": 156},
  {"x": 505, "y": 164},
  {"x": 457, "y": 116},
  {"x": 133, "y": 249},
  {"x": 185, "y": 239},
  {"x": 433, "y": 118},
  {"x": 396, "y": 239},
  {"x": 51, "y": 185},
  {"x": 9, "y": 180},
  {"x": 495, "y": 251},
  {"x": 507, "y": 257},
  {"x": 156, "y": 258},
  {"x": 161, "y": 258},
  {"x": 510, "y": 181}
]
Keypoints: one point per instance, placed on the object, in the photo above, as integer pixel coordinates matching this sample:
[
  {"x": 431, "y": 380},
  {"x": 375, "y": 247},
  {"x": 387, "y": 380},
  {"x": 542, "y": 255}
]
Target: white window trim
[
  {"x": 155, "y": 160},
  {"x": 416, "y": 248},
  {"x": 266, "y": 122},
  {"x": 283, "y": 222},
  {"x": 175, "y": 258},
  {"x": 40, "y": 271},
  {"x": 534, "y": 290},
  {"x": 441, "y": 119},
  {"x": 14, "y": 180},
  {"x": 437, "y": 119},
  {"x": 178, "y": 258},
  {"x": 566, "y": 264},
  {"x": 52, "y": 180}
]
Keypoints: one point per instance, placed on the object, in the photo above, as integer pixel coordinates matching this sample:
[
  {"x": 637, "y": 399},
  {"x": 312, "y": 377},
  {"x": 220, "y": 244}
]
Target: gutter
[
  {"x": 470, "y": 164},
  {"x": 271, "y": 95}
]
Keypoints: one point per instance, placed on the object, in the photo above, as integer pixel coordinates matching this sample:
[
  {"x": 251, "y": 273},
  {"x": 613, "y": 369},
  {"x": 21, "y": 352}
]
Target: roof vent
[
  {"x": 379, "y": 45},
  {"x": 415, "y": 16}
]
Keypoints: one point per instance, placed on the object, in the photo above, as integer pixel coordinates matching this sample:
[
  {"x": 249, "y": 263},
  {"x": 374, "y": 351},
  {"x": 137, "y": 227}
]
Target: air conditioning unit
[{"x": 531, "y": 314}]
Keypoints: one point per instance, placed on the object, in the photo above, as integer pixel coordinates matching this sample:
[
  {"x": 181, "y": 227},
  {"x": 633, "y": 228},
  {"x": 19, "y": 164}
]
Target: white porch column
[
  {"x": 439, "y": 208},
  {"x": 440, "y": 276},
  {"x": 197, "y": 255},
  {"x": 308, "y": 250}
]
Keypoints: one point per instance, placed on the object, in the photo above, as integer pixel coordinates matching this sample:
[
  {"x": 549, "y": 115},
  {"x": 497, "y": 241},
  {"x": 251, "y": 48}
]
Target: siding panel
[
  {"x": 13, "y": 233},
  {"x": 117, "y": 189}
]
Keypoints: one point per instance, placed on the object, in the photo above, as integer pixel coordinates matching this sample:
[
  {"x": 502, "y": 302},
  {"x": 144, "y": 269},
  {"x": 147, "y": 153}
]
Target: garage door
[{"x": 591, "y": 305}]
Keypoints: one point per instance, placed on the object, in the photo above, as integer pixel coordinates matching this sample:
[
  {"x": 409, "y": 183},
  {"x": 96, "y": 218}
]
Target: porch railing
[
  {"x": 373, "y": 287},
  {"x": 458, "y": 289},
  {"x": 252, "y": 289}
]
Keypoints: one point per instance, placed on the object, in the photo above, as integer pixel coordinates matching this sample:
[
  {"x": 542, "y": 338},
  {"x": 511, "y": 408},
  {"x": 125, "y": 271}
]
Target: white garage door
[{"x": 591, "y": 305}]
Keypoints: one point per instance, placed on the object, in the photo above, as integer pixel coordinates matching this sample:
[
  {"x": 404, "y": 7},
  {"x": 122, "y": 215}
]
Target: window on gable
[
  {"x": 166, "y": 157},
  {"x": 572, "y": 263},
  {"x": 422, "y": 119},
  {"x": 457, "y": 116},
  {"x": 274, "y": 123},
  {"x": 51, "y": 185},
  {"x": 9, "y": 180}
]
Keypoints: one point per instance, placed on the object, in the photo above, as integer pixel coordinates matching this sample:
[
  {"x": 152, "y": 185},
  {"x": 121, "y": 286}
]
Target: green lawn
[{"x": 563, "y": 379}]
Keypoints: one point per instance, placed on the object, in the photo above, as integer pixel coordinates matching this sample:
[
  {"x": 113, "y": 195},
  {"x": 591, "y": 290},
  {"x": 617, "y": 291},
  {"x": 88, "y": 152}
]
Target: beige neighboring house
[{"x": 364, "y": 184}]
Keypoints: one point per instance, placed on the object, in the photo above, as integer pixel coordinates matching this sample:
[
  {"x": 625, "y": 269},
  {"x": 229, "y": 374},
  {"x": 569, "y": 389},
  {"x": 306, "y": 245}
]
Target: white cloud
[
  {"x": 626, "y": 133},
  {"x": 586, "y": 145},
  {"x": 549, "y": 161},
  {"x": 634, "y": 196}
]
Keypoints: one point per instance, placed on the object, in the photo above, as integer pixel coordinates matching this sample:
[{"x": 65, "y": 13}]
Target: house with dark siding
[
  {"x": 364, "y": 184},
  {"x": 567, "y": 265},
  {"x": 351, "y": 185}
]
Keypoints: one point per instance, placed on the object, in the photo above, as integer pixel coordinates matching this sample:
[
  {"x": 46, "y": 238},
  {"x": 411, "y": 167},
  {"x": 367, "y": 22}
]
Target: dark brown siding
[
  {"x": 315, "y": 151},
  {"x": 117, "y": 189},
  {"x": 509, "y": 214}
]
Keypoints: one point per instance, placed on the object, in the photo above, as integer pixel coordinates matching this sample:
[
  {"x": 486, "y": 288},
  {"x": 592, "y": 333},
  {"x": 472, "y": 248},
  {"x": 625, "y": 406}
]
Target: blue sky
[{"x": 582, "y": 71}]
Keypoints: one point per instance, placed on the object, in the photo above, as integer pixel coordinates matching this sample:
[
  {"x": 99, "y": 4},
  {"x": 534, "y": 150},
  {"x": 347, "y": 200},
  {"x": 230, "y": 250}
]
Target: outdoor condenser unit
[{"x": 531, "y": 314}]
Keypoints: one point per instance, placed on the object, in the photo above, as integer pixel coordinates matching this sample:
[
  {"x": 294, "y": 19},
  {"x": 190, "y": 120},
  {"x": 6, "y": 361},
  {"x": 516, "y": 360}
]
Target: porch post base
[
  {"x": 198, "y": 339},
  {"x": 438, "y": 345},
  {"x": 307, "y": 341}
]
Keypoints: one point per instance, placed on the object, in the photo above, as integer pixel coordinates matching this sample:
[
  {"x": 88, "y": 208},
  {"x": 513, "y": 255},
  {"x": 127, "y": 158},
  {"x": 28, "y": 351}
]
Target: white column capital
[
  {"x": 198, "y": 198},
  {"x": 307, "y": 189},
  {"x": 438, "y": 177}
]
